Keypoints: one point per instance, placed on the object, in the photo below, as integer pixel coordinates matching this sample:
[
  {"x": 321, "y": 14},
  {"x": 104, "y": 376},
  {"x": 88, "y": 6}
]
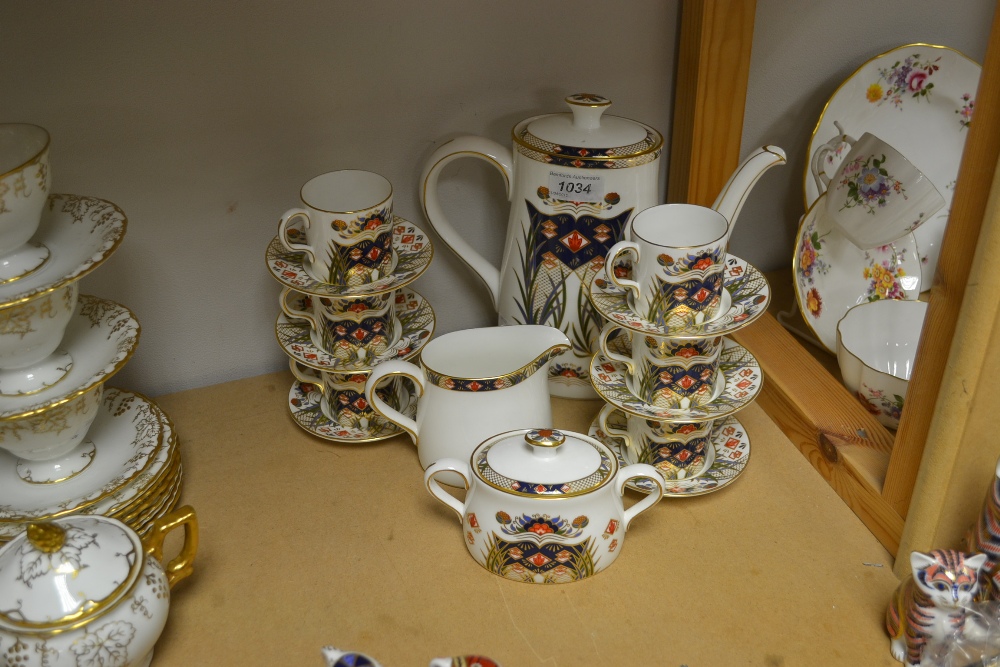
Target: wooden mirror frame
[{"x": 910, "y": 496}]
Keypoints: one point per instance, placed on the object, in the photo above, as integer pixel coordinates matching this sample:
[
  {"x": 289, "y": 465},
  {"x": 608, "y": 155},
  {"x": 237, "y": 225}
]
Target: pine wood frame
[{"x": 875, "y": 473}]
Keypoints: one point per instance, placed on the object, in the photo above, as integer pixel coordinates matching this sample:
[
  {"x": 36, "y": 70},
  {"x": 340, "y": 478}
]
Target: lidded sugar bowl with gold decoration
[
  {"x": 544, "y": 506},
  {"x": 85, "y": 591}
]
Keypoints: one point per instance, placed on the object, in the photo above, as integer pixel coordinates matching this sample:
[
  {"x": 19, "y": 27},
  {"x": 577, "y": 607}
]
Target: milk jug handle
[
  {"x": 392, "y": 368},
  {"x": 467, "y": 146}
]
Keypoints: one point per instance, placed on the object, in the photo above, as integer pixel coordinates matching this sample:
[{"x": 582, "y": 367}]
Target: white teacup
[
  {"x": 877, "y": 196},
  {"x": 347, "y": 227},
  {"x": 677, "y": 451},
  {"x": 24, "y": 187},
  {"x": 30, "y": 335},
  {"x": 679, "y": 252}
]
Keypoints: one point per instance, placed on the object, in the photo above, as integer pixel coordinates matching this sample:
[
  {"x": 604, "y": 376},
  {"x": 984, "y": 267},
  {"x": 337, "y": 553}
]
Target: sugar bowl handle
[
  {"x": 639, "y": 470},
  {"x": 448, "y": 465},
  {"x": 609, "y": 265},
  {"x": 394, "y": 367},
  {"x": 183, "y": 564}
]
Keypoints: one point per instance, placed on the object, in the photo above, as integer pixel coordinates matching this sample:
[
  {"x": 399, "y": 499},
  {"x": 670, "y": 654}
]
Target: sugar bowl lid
[
  {"x": 62, "y": 573},
  {"x": 586, "y": 135},
  {"x": 544, "y": 463}
]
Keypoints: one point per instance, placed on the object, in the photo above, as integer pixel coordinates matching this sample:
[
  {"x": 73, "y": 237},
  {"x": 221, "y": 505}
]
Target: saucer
[
  {"x": 832, "y": 274},
  {"x": 738, "y": 367},
  {"x": 929, "y": 126},
  {"x": 415, "y": 323},
  {"x": 744, "y": 299},
  {"x": 306, "y": 410},
  {"x": 23, "y": 262},
  {"x": 732, "y": 453},
  {"x": 129, "y": 439},
  {"x": 100, "y": 338},
  {"x": 80, "y": 233},
  {"x": 413, "y": 250}
]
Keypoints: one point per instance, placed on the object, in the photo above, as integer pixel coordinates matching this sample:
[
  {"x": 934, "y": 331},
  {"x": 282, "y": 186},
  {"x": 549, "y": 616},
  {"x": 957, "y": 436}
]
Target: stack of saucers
[
  {"x": 671, "y": 379},
  {"x": 346, "y": 263},
  {"x": 68, "y": 445}
]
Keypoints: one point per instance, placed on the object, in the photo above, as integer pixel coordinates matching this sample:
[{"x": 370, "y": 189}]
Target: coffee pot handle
[
  {"x": 389, "y": 368},
  {"x": 447, "y": 465},
  {"x": 467, "y": 146}
]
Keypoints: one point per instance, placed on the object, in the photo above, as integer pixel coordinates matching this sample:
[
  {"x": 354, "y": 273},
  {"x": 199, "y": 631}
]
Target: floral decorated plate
[
  {"x": 732, "y": 453},
  {"x": 832, "y": 274},
  {"x": 744, "y": 299},
  {"x": 100, "y": 337},
  {"x": 304, "y": 404},
  {"x": 740, "y": 381},
  {"x": 414, "y": 252},
  {"x": 80, "y": 233},
  {"x": 918, "y": 98},
  {"x": 131, "y": 445},
  {"x": 414, "y": 328}
]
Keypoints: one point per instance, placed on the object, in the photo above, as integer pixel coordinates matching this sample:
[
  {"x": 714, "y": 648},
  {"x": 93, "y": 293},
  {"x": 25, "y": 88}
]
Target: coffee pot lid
[
  {"x": 544, "y": 463},
  {"x": 586, "y": 135},
  {"x": 66, "y": 571}
]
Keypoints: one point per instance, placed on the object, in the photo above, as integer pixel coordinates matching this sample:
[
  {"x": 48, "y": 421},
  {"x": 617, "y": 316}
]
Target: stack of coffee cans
[
  {"x": 346, "y": 263},
  {"x": 68, "y": 444},
  {"x": 672, "y": 379}
]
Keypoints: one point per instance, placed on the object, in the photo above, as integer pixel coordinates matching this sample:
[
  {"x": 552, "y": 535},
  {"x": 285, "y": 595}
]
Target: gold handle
[{"x": 183, "y": 565}]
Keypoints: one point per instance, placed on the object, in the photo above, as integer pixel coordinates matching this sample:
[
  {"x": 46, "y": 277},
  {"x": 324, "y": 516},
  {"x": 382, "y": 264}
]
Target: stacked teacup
[
  {"x": 671, "y": 378},
  {"x": 346, "y": 262},
  {"x": 68, "y": 445}
]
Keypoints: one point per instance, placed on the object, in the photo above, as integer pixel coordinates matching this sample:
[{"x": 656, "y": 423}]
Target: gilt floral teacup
[
  {"x": 346, "y": 230},
  {"x": 878, "y": 196},
  {"x": 30, "y": 335},
  {"x": 349, "y": 329},
  {"x": 677, "y": 450},
  {"x": 665, "y": 372},
  {"x": 678, "y": 252},
  {"x": 25, "y": 180}
]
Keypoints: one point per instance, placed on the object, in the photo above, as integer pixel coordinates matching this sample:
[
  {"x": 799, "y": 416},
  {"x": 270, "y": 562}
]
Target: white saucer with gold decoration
[
  {"x": 415, "y": 326},
  {"x": 745, "y": 296},
  {"x": 738, "y": 384},
  {"x": 304, "y": 405},
  {"x": 132, "y": 453},
  {"x": 732, "y": 453},
  {"x": 413, "y": 249},
  {"x": 80, "y": 234}
]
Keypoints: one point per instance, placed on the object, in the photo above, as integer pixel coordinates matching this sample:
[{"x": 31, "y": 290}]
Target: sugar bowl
[
  {"x": 84, "y": 591},
  {"x": 543, "y": 506}
]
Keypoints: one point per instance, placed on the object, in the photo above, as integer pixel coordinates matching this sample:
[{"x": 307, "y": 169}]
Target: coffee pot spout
[{"x": 730, "y": 201}]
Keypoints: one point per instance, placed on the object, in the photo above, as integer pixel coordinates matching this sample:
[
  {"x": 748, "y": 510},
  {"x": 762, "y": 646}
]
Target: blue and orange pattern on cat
[
  {"x": 932, "y": 604},
  {"x": 985, "y": 537}
]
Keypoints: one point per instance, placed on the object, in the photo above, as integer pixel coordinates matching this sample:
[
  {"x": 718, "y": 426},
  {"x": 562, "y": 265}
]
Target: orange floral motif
[{"x": 813, "y": 302}]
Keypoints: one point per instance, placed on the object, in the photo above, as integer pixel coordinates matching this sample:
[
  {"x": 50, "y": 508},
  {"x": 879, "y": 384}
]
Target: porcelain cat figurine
[
  {"x": 985, "y": 537},
  {"x": 337, "y": 658},
  {"x": 933, "y": 604},
  {"x": 464, "y": 661}
]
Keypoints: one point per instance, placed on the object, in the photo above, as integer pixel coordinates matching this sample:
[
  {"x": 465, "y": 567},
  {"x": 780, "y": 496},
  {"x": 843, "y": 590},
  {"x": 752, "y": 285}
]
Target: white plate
[
  {"x": 739, "y": 370},
  {"x": 744, "y": 298},
  {"x": 80, "y": 233},
  {"x": 100, "y": 337},
  {"x": 416, "y": 326},
  {"x": 928, "y": 128},
  {"x": 732, "y": 453},
  {"x": 836, "y": 275},
  {"x": 413, "y": 249},
  {"x": 131, "y": 445}
]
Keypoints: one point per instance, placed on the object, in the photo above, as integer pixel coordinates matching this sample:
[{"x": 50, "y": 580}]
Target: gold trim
[
  {"x": 419, "y": 384},
  {"x": 64, "y": 281},
  {"x": 340, "y": 171},
  {"x": 79, "y": 392},
  {"x": 182, "y": 565},
  {"x": 33, "y": 270},
  {"x": 795, "y": 273},
  {"x": 568, "y": 100},
  {"x": 152, "y": 457},
  {"x": 681, "y": 247},
  {"x": 46, "y": 537},
  {"x": 812, "y": 138},
  {"x": 657, "y": 143},
  {"x": 36, "y": 157},
  {"x": 560, "y": 347}
]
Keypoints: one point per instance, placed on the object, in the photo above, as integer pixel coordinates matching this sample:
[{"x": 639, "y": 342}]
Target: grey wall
[
  {"x": 801, "y": 52},
  {"x": 202, "y": 119}
]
